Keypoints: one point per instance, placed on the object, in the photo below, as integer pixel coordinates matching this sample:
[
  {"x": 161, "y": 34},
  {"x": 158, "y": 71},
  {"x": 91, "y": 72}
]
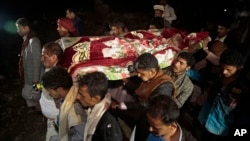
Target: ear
[
  {"x": 54, "y": 57},
  {"x": 153, "y": 72},
  {"x": 96, "y": 99},
  {"x": 61, "y": 91},
  {"x": 173, "y": 125},
  {"x": 188, "y": 68}
]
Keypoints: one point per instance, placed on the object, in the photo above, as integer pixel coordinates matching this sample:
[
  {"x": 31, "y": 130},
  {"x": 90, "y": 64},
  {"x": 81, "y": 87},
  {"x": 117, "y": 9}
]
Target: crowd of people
[{"x": 207, "y": 80}]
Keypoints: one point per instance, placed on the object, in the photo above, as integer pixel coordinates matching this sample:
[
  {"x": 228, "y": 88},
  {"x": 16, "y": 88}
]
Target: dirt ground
[{"x": 17, "y": 121}]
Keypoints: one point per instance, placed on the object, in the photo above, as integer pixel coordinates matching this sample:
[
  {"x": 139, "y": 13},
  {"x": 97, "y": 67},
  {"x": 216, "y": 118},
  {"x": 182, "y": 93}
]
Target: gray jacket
[
  {"x": 32, "y": 64},
  {"x": 184, "y": 86}
]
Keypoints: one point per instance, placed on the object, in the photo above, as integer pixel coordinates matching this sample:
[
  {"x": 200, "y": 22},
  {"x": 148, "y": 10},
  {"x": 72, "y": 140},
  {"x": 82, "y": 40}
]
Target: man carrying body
[
  {"x": 184, "y": 86},
  {"x": 153, "y": 80},
  {"x": 72, "y": 117},
  {"x": 93, "y": 94}
]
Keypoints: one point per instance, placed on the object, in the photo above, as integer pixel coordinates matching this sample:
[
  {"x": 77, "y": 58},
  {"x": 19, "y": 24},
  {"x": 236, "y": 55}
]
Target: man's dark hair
[
  {"x": 224, "y": 22},
  {"x": 23, "y": 22},
  {"x": 70, "y": 9},
  {"x": 57, "y": 77},
  {"x": 118, "y": 24},
  {"x": 146, "y": 61},
  {"x": 96, "y": 82},
  {"x": 188, "y": 57},
  {"x": 163, "y": 107},
  {"x": 54, "y": 48},
  {"x": 232, "y": 57}
]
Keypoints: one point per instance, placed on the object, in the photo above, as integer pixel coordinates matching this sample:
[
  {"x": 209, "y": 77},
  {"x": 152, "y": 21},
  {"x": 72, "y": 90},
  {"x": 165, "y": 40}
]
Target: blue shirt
[{"x": 152, "y": 137}]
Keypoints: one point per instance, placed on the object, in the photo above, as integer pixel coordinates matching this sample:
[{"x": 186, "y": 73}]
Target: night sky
[{"x": 10, "y": 10}]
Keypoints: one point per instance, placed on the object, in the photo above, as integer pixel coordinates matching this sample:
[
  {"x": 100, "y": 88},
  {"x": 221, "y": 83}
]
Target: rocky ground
[{"x": 18, "y": 122}]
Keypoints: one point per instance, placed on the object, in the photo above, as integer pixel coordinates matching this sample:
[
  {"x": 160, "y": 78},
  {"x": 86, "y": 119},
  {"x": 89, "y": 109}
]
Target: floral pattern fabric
[{"x": 112, "y": 55}]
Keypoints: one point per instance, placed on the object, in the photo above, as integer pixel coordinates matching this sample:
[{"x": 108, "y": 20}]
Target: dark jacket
[{"x": 107, "y": 129}]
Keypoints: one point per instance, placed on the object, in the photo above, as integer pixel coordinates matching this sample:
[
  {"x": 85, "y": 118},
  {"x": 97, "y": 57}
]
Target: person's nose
[
  {"x": 225, "y": 71},
  {"x": 150, "y": 128},
  {"x": 176, "y": 63},
  {"x": 138, "y": 74}
]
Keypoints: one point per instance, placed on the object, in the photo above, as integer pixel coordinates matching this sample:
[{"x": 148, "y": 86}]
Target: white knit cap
[{"x": 159, "y": 7}]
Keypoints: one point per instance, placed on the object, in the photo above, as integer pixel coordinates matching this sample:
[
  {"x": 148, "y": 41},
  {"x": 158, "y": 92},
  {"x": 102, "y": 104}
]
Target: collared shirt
[
  {"x": 221, "y": 39},
  {"x": 152, "y": 137},
  {"x": 184, "y": 136},
  {"x": 184, "y": 86}
]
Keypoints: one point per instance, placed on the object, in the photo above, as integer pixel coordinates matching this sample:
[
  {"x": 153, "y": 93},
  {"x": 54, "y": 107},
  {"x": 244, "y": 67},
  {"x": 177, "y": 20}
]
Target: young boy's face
[
  {"x": 228, "y": 70},
  {"x": 180, "y": 66}
]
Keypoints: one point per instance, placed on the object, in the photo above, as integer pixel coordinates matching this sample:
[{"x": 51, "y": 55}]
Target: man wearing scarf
[
  {"x": 153, "y": 79},
  {"x": 30, "y": 65},
  {"x": 72, "y": 117},
  {"x": 93, "y": 94}
]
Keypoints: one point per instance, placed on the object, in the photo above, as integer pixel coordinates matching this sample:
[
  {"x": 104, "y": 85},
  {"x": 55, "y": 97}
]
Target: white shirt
[
  {"x": 221, "y": 39},
  {"x": 48, "y": 106},
  {"x": 169, "y": 13}
]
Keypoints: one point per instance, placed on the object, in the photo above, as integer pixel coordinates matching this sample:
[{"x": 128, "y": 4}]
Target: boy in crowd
[{"x": 162, "y": 116}]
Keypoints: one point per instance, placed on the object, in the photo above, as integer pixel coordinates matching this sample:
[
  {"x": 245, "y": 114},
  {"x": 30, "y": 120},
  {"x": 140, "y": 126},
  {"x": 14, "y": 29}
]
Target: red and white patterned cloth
[{"x": 112, "y": 55}]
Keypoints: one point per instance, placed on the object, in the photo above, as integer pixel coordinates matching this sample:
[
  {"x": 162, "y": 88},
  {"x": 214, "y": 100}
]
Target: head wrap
[
  {"x": 159, "y": 7},
  {"x": 67, "y": 24}
]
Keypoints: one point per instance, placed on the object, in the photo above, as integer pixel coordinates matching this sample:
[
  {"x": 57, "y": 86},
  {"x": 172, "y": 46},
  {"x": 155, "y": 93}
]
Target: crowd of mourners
[{"x": 202, "y": 95}]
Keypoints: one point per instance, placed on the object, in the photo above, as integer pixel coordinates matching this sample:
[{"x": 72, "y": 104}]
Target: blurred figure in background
[
  {"x": 78, "y": 23},
  {"x": 169, "y": 13},
  {"x": 117, "y": 28},
  {"x": 65, "y": 27},
  {"x": 157, "y": 23}
]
